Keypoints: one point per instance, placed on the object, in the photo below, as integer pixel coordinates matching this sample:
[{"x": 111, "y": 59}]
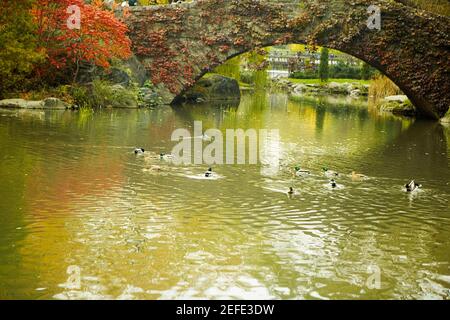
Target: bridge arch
[{"x": 179, "y": 43}]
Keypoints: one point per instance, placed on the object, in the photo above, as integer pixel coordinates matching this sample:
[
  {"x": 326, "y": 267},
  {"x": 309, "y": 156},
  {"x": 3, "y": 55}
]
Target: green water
[{"x": 73, "y": 195}]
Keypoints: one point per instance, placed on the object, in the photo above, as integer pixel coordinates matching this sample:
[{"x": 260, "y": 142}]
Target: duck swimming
[
  {"x": 167, "y": 157},
  {"x": 330, "y": 173},
  {"x": 139, "y": 151},
  {"x": 412, "y": 186},
  {"x": 301, "y": 172},
  {"x": 358, "y": 176},
  {"x": 208, "y": 173},
  {"x": 291, "y": 191},
  {"x": 333, "y": 183}
]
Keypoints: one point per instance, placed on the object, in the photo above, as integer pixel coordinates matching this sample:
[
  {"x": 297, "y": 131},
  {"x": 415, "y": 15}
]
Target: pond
[{"x": 83, "y": 217}]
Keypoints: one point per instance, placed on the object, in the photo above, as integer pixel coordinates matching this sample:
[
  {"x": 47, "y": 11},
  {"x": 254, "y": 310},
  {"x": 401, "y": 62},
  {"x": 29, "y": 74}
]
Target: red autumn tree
[{"x": 99, "y": 38}]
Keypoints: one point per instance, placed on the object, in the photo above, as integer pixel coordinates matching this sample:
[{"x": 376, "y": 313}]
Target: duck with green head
[{"x": 299, "y": 172}]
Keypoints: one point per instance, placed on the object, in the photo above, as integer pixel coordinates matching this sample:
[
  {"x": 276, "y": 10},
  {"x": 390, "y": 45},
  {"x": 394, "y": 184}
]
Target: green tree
[
  {"x": 366, "y": 71},
  {"x": 324, "y": 65},
  {"x": 18, "y": 53}
]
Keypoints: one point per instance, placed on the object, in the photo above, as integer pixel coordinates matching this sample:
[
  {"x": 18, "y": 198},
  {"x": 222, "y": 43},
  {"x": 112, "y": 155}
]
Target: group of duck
[
  {"x": 167, "y": 157},
  {"x": 299, "y": 172}
]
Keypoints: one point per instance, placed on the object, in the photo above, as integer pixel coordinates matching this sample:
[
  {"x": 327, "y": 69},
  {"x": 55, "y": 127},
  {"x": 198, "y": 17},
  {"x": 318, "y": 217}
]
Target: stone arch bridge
[{"x": 179, "y": 43}]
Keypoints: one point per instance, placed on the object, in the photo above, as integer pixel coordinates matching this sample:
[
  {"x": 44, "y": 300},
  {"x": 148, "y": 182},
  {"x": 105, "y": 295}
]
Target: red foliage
[{"x": 101, "y": 35}]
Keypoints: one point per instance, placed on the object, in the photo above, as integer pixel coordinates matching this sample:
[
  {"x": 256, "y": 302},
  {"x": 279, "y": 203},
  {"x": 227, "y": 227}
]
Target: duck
[
  {"x": 167, "y": 157},
  {"x": 139, "y": 151},
  {"x": 412, "y": 186},
  {"x": 358, "y": 176},
  {"x": 208, "y": 173},
  {"x": 333, "y": 183},
  {"x": 291, "y": 191},
  {"x": 301, "y": 172},
  {"x": 330, "y": 173}
]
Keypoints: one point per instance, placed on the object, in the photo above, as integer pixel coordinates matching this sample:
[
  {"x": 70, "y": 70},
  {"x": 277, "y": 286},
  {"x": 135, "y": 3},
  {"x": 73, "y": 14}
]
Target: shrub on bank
[
  {"x": 102, "y": 94},
  {"x": 382, "y": 87}
]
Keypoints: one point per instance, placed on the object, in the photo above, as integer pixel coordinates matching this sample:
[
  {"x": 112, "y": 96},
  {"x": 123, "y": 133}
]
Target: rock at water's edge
[
  {"x": 213, "y": 88},
  {"x": 49, "y": 103},
  {"x": 55, "y": 104},
  {"x": 398, "y": 105}
]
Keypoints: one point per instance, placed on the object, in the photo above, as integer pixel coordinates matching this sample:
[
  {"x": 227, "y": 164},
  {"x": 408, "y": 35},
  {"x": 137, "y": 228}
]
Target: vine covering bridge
[{"x": 179, "y": 43}]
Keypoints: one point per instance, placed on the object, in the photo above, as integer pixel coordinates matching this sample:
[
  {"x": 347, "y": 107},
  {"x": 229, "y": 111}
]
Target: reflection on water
[{"x": 73, "y": 194}]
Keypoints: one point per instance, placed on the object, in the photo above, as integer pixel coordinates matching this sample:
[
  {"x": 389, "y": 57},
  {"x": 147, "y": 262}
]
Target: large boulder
[
  {"x": 214, "y": 87},
  {"x": 20, "y": 104},
  {"x": 397, "y": 98},
  {"x": 398, "y": 105},
  {"x": 55, "y": 104},
  {"x": 49, "y": 103},
  {"x": 148, "y": 96},
  {"x": 299, "y": 89}
]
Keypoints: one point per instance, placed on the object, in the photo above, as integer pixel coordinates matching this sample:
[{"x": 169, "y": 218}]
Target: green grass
[{"x": 317, "y": 81}]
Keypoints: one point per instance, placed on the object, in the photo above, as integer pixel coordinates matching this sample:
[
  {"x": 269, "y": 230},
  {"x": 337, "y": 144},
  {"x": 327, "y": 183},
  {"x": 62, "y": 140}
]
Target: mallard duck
[
  {"x": 358, "y": 176},
  {"x": 167, "y": 157},
  {"x": 333, "y": 183},
  {"x": 330, "y": 173},
  {"x": 412, "y": 186},
  {"x": 208, "y": 173},
  {"x": 139, "y": 151},
  {"x": 301, "y": 172},
  {"x": 291, "y": 191}
]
